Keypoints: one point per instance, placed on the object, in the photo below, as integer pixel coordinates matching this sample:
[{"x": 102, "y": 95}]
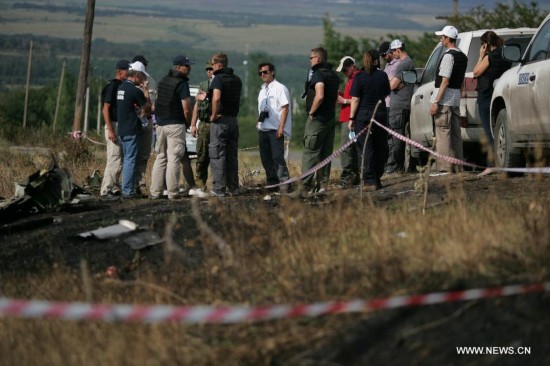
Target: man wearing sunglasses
[
  {"x": 274, "y": 125},
  {"x": 321, "y": 96},
  {"x": 225, "y": 96}
]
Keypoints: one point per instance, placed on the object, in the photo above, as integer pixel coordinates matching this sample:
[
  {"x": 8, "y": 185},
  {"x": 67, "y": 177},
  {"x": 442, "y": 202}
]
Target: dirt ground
[{"x": 414, "y": 336}]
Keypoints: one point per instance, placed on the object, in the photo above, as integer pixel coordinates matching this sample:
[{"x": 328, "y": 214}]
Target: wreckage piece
[
  {"x": 44, "y": 191},
  {"x": 143, "y": 239},
  {"x": 113, "y": 231}
]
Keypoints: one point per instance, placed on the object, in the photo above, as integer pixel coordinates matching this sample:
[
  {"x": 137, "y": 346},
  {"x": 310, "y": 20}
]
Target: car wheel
[
  {"x": 505, "y": 155},
  {"x": 410, "y": 160}
]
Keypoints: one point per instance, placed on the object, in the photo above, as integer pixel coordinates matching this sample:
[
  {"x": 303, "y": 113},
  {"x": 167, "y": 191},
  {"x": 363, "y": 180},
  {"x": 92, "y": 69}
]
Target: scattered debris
[
  {"x": 44, "y": 191},
  {"x": 123, "y": 227},
  {"x": 143, "y": 239}
]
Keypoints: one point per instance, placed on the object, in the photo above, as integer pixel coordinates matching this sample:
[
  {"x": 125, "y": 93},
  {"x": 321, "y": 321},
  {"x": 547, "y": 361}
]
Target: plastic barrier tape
[{"x": 240, "y": 314}]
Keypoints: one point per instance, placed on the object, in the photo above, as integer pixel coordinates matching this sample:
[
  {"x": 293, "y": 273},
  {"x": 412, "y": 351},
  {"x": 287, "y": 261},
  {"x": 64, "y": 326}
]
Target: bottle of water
[{"x": 351, "y": 134}]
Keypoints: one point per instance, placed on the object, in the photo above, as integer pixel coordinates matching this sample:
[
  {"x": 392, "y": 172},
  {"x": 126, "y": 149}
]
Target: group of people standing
[{"x": 132, "y": 102}]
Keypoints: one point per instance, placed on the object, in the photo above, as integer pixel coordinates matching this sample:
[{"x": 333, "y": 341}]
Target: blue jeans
[
  {"x": 130, "y": 145},
  {"x": 484, "y": 106}
]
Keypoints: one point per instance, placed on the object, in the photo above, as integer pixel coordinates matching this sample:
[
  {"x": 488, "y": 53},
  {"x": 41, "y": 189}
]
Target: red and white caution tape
[
  {"x": 240, "y": 314},
  {"x": 327, "y": 160},
  {"x": 540, "y": 170}
]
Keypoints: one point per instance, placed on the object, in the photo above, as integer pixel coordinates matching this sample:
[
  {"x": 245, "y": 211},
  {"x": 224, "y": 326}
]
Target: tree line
[{"x": 291, "y": 69}]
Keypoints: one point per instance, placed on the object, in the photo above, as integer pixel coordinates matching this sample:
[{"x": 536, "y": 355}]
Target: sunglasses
[
  {"x": 312, "y": 57},
  {"x": 263, "y": 72}
]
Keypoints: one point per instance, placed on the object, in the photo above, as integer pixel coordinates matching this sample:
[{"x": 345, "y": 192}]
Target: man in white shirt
[{"x": 274, "y": 124}]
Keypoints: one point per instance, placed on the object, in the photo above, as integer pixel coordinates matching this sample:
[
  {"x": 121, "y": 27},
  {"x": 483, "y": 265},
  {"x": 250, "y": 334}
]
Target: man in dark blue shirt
[{"x": 132, "y": 102}]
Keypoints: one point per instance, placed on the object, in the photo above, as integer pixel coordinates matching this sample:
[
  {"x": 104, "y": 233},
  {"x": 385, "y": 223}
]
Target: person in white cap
[
  {"x": 400, "y": 107},
  {"x": 128, "y": 96},
  {"x": 348, "y": 158},
  {"x": 445, "y": 100}
]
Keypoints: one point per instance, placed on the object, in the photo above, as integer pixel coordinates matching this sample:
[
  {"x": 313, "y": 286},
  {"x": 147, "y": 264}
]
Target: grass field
[{"x": 201, "y": 34}]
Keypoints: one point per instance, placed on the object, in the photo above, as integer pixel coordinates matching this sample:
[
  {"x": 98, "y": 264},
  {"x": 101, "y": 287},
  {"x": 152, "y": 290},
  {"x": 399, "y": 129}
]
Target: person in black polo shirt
[{"x": 225, "y": 96}]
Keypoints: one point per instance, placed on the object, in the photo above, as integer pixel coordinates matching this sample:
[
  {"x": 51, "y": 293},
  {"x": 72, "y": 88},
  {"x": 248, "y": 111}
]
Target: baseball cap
[
  {"x": 122, "y": 65},
  {"x": 182, "y": 60},
  {"x": 138, "y": 66},
  {"x": 141, "y": 59},
  {"x": 384, "y": 48},
  {"x": 208, "y": 65},
  {"x": 345, "y": 62},
  {"x": 448, "y": 31},
  {"x": 395, "y": 44}
]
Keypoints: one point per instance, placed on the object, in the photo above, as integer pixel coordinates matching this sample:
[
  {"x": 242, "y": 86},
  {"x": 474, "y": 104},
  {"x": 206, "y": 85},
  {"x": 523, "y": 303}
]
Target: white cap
[
  {"x": 395, "y": 44},
  {"x": 345, "y": 62},
  {"x": 448, "y": 31},
  {"x": 138, "y": 66}
]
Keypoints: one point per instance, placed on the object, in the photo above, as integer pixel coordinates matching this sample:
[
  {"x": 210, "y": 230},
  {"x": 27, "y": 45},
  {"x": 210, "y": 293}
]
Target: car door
[
  {"x": 529, "y": 95},
  {"x": 421, "y": 120}
]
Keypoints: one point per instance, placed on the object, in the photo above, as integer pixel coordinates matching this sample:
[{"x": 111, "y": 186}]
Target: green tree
[{"x": 503, "y": 15}]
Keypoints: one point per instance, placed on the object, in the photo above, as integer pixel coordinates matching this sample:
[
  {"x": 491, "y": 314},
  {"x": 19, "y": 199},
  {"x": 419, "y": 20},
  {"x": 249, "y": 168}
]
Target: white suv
[
  {"x": 520, "y": 106},
  {"x": 420, "y": 128}
]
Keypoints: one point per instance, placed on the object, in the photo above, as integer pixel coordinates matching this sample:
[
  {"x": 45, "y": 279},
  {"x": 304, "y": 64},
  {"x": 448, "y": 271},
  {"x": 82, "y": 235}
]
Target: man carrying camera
[{"x": 274, "y": 124}]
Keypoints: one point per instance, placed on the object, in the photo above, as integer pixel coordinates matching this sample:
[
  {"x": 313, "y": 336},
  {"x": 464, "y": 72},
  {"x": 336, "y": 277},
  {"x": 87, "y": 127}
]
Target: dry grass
[{"x": 291, "y": 253}]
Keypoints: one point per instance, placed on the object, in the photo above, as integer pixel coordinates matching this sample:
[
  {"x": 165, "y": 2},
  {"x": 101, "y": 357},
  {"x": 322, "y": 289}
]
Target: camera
[{"x": 263, "y": 115}]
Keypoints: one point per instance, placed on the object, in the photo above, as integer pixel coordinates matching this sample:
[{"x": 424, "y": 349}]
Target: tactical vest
[
  {"x": 168, "y": 104},
  {"x": 231, "y": 94},
  {"x": 331, "y": 81},
  {"x": 458, "y": 73}
]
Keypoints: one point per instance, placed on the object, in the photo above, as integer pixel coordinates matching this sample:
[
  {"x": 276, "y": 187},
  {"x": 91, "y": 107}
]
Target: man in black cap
[
  {"x": 113, "y": 166},
  {"x": 141, "y": 59},
  {"x": 173, "y": 114},
  {"x": 146, "y": 138}
]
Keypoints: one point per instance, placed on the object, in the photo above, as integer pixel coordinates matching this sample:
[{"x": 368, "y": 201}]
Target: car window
[
  {"x": 431, "y": 66},
  {"x": 539, "y": 47},
  {"x": 473, "y": 53}
]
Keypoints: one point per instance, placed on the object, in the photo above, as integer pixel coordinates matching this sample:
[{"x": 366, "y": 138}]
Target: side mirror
[
  {"x": 410, "y": 77},
  {"x": 511, "y": 52}
]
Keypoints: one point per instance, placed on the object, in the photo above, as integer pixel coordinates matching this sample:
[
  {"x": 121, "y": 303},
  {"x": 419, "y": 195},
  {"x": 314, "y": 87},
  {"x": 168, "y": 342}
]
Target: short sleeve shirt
[
  {"x": 129, "y": 99},
  {"x": 401, "y": 98},
  {"x": 109, "y": 97},
  {"x": 273, "y": 97}
]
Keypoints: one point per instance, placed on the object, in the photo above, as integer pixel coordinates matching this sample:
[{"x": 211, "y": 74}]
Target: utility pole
[
  {"x": 59, "y": 95},
  {"x": 84, "y": 65},
  {"x": 27, "y": 88},
  {"x": 455, "y": 12}
]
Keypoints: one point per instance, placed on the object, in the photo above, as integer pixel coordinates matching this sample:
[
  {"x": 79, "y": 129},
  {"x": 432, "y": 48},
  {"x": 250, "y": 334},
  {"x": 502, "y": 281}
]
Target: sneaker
[
  {"x": 198, "y": 192},
  {"x": 111, "y": 196},
  {"x": 215, "y": 194},
  {"x": 155, "y": 197},
  {"x": 234, "y": 193},
  {"x": 172, "y": 197}
]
